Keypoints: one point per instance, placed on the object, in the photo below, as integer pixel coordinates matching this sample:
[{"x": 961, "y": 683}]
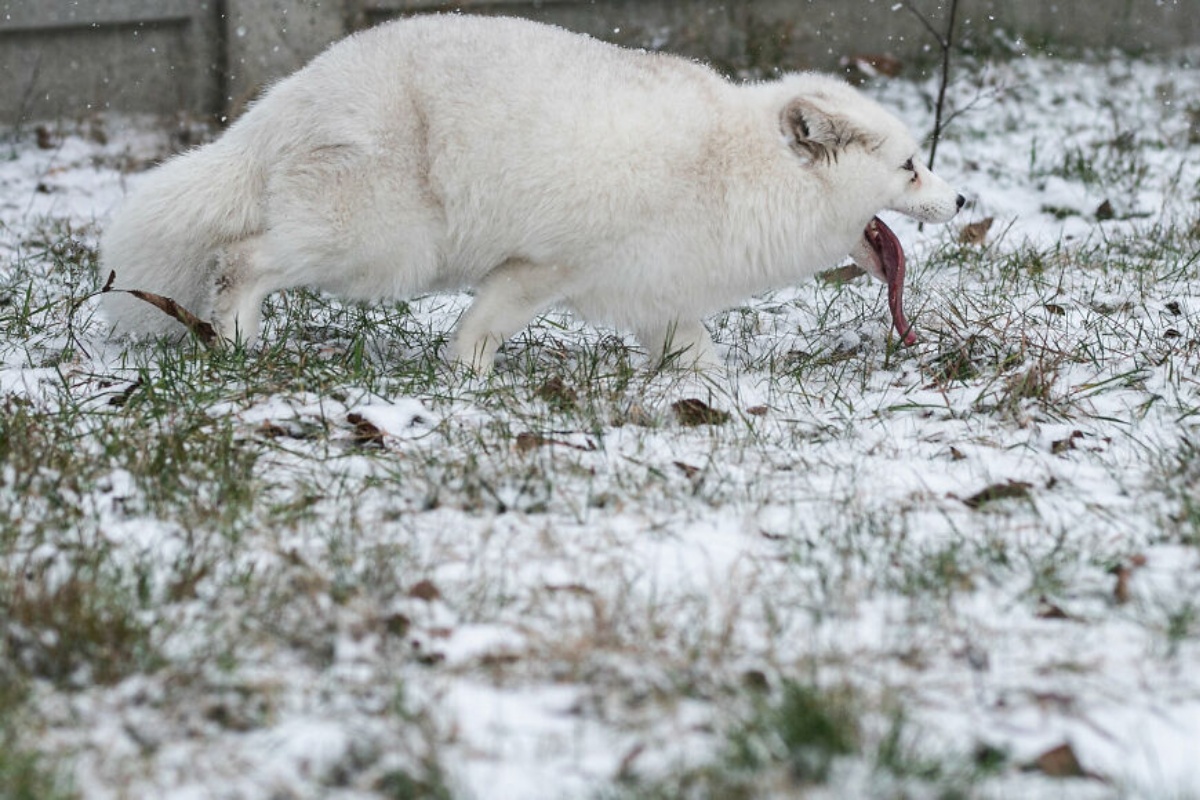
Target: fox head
[{"x": 836, "y": 131}]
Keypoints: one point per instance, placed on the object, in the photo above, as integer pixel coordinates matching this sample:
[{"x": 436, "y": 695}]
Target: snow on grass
[{"x": 331, "y": 567}]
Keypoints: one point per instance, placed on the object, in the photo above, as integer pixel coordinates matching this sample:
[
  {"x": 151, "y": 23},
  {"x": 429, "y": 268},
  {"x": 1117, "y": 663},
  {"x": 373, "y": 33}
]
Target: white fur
[{"x": 538, "y": 166}]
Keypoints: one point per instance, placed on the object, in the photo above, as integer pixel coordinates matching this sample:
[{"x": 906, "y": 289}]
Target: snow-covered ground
[{"x": 374, "y": 577}]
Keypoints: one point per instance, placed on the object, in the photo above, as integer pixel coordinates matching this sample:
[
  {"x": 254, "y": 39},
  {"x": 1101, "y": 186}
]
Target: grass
[
  {"x": 798, "y": 737},
  {"x": 782, "y": 580},
  {"x": 25, "y": 774}
]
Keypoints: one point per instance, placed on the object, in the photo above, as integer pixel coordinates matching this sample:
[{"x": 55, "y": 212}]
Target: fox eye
[{"x": 908, "y": 165}]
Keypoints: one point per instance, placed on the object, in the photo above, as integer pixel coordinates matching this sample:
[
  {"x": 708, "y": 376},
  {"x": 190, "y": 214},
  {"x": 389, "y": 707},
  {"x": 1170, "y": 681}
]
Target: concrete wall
[{"x": 65, "y": 58}]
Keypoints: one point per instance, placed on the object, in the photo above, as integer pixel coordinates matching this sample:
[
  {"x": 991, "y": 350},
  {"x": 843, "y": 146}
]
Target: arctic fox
[{"x": 538, "y": 167}]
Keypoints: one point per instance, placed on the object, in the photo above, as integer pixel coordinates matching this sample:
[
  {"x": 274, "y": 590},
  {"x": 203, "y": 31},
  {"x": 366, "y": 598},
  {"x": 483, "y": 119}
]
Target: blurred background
[{"x": 69, "y": 58}]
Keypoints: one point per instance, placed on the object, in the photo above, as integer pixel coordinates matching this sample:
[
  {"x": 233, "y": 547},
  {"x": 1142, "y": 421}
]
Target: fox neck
[{"x": 795, "y": 230}]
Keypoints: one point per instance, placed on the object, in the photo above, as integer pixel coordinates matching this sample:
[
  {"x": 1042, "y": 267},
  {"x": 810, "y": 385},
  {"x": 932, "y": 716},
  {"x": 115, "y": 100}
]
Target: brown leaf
[
  {"x": 527, "y": 440},
  {"x": 1121, "y": 590},
  {"x": 1060, "y": 446},
  {"x": 757, "y": 411},
  {"x": 687, "y": 469},
  {"x": 976, "y": 232},
  {"x": 121, "y": 398},
  {"x": 272, "y": 430},
  {"x": 571, "y": 588},
  {"x": 1055, "y": 308},
  {"x": 1123, "y": 572},
  {"x": 430, "y": 659},
  {"x": 956, "y": 454},
  {"x": 998, "y": 491},
  {"x": 841, "y": 274},
  {"x": 502, "y": 658},
  {"x": 425, "y": 590},
  {"x": 397, "y": 624},
  {"x": 202, "y": 330},
  {"x": 556, "y": 393},
  {"x": 1058, "y": 762},
  {"x": 1105, "y": 211},
  {"x": 693, "y": 412},
  {"x": 1048, "y": 610},
  {"x": 366, "y": 433}
]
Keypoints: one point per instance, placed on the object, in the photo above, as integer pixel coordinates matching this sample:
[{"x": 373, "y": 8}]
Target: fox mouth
[{"x": 881, "y": 254}]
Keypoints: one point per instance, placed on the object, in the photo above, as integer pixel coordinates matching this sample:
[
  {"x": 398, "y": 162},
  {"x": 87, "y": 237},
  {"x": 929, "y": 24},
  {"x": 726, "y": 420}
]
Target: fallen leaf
[
  {"x": 757, "y": 411},
  {"x": 956, "y": 454},
  {"x": 202, "y": 330},
  {"x": 998, "y": 491},
  {"x": 1060, "y": 446},
  {"x": 1123, "y": 572},
  {"x": 1057, "y": 701},
  {"x": 1055, "y": 308},
  {"x": 425, "y": 590},
  {"x": 570, "y": 588},
  {"x": 430, "y": 659},
  {"x": 1048, "y": 610},
  {"x": 1121, "y": 590},
  {"x": 121, "y": 398},
  {"x": 693, "y": 412},
  {"x": 556, "y": 393},
  {"x": 1105, "y": 211},
  {"x": 976, "y": 232},
  {"x": 397, "y": 625},
  {"x": 528, "y": 440},
  {"x": 1058, "y": 762},
  {"x": 502, "y": 658},
  {"x": 841, "y": 274},
  {"x": 271, "y": 430},
  {"x": 366, "y": 433},
  {"x": 687, "y": 469}
]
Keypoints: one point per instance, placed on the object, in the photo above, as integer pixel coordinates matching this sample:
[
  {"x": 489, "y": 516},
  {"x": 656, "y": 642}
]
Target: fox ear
[
  {"x": 812, "y": 133},
  {"x": 817, "y": 136}
]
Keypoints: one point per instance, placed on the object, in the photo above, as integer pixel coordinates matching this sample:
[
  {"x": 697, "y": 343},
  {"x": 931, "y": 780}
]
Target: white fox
[{"x": 538, "y": 166}]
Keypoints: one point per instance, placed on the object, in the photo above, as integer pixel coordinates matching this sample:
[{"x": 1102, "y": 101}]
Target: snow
[{"x": 602, "y": 591}]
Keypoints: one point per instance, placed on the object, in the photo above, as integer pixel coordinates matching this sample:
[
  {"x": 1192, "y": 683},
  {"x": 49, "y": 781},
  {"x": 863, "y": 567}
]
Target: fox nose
[{"x": 960, "y": 201}]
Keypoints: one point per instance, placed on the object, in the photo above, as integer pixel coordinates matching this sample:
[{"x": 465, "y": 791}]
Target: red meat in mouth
[{"x": 888, "y": 256}]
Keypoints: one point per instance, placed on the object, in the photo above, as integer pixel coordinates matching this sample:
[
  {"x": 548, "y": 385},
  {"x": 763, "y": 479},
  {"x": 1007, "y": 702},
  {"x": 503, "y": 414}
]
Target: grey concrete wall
[
  {"x": 69, "y": 57},
  {"x": 267, "y": 39}
]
